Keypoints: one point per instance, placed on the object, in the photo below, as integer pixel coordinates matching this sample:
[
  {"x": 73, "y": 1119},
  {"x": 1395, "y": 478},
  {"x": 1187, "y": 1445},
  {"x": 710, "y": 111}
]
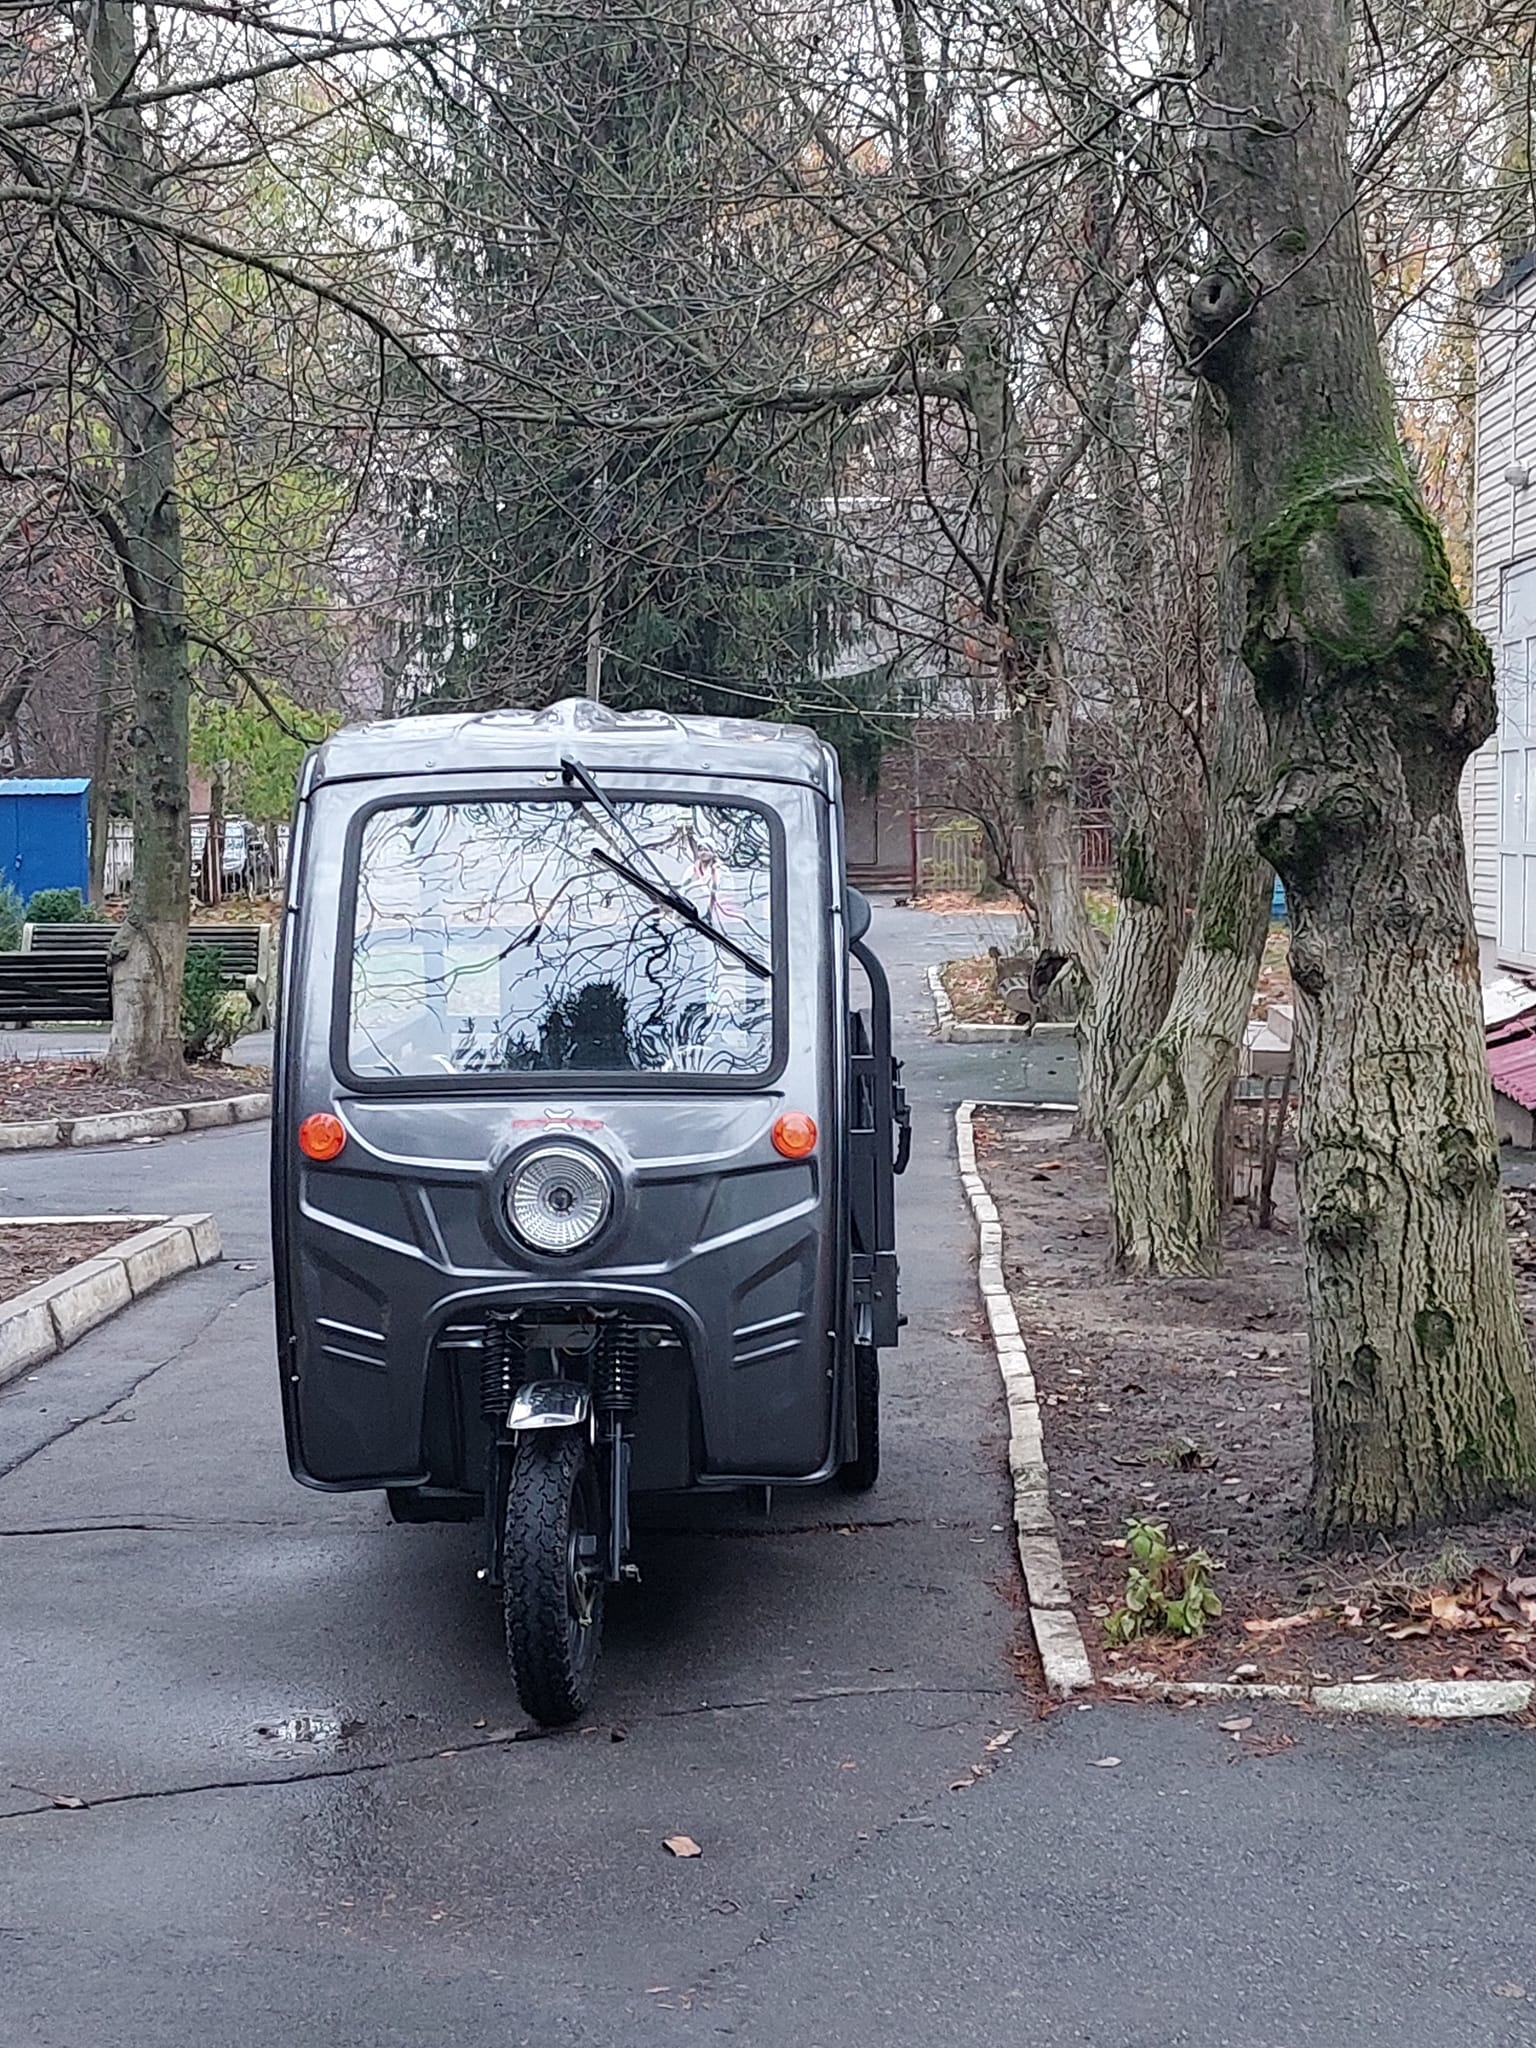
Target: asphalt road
[{"x": 310, "y": 1820}]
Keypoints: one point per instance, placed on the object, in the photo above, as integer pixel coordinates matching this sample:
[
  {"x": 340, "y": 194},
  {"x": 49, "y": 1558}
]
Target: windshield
[{"x": 489, "y": 937}]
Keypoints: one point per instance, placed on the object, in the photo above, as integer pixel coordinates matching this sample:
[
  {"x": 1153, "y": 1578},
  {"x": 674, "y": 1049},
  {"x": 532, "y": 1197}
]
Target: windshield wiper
[{"x": 655, "y": 884}]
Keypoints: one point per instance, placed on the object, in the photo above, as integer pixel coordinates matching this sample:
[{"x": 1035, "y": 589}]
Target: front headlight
[{"x": 557, "y": 1199}]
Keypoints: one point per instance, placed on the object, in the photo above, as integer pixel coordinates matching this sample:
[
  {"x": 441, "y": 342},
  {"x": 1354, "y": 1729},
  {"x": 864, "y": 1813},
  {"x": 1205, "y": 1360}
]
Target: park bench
[
  {"x": 47, "y": 988},
  {"x": 245, "y": 951}
]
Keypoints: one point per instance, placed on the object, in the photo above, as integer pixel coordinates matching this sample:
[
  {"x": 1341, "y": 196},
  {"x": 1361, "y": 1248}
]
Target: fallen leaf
[
  {"x": 481, "y": 1722},
  {"x": 70, "y": 1801},
  {"x": 1236, "y": 1725},
  {"x": 1405, "y": 1629},
  {"x": 1509, "y": 1991},
  {"x": 681, "y": 1845},
  {"x": 1450, "y": 1613},
  {"x": 1280, "y": 1624},
  {"x": 1106, "y": 1763},
  {"x": 1461, "y": 1671},
  {"x": 1002, "y": 1739}
]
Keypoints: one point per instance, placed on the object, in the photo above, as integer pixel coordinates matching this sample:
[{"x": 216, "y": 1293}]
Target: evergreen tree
[{"x": 597, "y": 227}]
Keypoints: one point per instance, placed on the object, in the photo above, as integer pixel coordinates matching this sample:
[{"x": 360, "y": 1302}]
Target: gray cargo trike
[{"x": 585, "y": 1131}]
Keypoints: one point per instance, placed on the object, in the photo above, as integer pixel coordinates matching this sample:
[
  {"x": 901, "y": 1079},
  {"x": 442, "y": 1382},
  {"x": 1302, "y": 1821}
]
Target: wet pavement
[{"x": 311, "y": 1817}]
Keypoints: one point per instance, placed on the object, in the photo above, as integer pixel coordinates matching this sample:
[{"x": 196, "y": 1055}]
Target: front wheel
[
  {"x": 863, "y": 1468},
  {"x": 552, "y": 1599}
]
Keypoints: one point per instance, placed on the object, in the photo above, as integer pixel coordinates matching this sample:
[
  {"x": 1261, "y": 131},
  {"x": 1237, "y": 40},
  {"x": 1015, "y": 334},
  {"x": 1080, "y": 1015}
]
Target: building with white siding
[{"x": 1498, "y": 793}]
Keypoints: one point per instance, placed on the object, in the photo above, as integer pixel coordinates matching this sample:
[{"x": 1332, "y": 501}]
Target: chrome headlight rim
[{"x": 535, "y": 1175}]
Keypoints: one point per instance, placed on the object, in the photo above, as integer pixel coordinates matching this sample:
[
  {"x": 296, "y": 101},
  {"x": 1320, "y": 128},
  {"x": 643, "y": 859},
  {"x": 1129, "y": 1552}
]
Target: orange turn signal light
[
  {"x": 322, "y": 1136},
  {"x": 794, "y": 1135}
]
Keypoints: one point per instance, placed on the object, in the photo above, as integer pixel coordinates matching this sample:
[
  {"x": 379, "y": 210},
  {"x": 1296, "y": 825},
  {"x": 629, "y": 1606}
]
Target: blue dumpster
[{"x": 44, "y": 835}]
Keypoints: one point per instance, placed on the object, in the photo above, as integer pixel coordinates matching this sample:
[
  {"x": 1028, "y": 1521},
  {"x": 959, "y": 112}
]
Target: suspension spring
[
  {"x": 500, "y": 1364},
  {"x": 618, "y": 1374}
]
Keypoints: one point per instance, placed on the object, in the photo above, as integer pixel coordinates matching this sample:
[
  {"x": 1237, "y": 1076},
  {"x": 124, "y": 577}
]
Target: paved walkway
[{"x": 307, "y": 1825}]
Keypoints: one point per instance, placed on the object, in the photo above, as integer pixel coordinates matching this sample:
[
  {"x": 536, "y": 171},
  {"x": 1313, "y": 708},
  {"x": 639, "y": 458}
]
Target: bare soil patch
[
  {"x": 31, "y": 1252},
  {"x": 1186, "y": 1402},
  {"x": 31, "y": 1090},
  {"x": 971, "y": 986}
]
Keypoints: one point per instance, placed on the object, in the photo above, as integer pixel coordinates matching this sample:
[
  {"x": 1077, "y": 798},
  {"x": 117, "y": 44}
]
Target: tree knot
[
  {"x": 1346, "y": 1205},
  {"x": 1312, "y": 815}
]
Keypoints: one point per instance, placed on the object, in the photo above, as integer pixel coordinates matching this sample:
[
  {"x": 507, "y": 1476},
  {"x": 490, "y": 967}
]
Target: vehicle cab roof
[{"x": 599, "y": 738}]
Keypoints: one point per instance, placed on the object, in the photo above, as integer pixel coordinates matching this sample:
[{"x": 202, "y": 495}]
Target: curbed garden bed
[
  {"x": 39, "y": 1090},
  {"x": 1185, "y": 1404},
  {"x": 33, "y": 1252}
]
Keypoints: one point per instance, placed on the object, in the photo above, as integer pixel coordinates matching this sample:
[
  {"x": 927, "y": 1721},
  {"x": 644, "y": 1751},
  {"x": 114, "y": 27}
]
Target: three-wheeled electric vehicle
[{"x": 584, "y": 1138}]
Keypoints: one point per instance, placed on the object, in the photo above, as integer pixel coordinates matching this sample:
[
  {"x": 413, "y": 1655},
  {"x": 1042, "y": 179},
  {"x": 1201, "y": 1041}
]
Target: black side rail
[{"x": 880, "y": 1137}]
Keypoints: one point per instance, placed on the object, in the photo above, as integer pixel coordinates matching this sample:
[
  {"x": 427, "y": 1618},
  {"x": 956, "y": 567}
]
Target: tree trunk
[
  {"x": 1374, "y": 689},
  {"x": 100, "y": 803},
  {"x": 1040, "y": 713},
  {"x": 1135, "y": 984},
  {"x": 151, "y": 946},
  {"x": 1164, "y": 1125},
  {"x": 213, "y": 847}
]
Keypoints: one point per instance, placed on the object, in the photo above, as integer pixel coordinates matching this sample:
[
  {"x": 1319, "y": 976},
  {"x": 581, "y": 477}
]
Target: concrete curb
[
  {"x": 1063, "y": 1653},
  {"x": 118, "y": 1126},
  {"x": 1420, "y": 1699},
  {"x": 952, "y": 1032},
  {"x": 51, "y": 1316}
]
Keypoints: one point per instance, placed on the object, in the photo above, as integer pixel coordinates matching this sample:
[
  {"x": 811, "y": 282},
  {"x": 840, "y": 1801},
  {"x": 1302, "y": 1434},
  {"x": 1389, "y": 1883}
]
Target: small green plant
[
  {"x": 60, "y": 906},
  {"x": 212, "y": 1017},
  {"x": 10, "y": 919},
  {"x": 1168, "y": 1590}
]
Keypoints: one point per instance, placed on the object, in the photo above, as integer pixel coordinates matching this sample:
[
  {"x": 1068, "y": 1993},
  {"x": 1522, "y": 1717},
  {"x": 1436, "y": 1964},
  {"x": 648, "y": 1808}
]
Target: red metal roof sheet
[{"x": 1512, "y": 1061}]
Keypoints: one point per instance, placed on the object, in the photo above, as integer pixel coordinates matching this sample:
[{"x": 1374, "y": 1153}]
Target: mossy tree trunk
[
  {"x": 145, "y": 529},
  {"x": 1373, "y": 688}
]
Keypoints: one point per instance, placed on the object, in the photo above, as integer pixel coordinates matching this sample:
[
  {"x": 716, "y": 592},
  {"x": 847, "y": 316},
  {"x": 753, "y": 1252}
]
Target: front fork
[{"x": 517, "y": 1406}]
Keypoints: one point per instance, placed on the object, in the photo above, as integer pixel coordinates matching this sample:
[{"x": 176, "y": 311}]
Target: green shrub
[
  {"x": 1168, "y": 1588},
  {"x": 61, "y": 906},
  {"x": 10, "y": 919},
  {"x": 212, "y": 1016}
]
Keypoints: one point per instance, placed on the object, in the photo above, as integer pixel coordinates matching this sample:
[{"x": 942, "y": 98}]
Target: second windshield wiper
[{"x": 655, "y": 884}]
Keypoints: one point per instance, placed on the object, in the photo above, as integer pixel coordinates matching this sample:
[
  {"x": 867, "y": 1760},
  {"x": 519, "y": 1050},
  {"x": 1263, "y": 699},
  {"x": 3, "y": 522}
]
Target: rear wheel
[
  {"x": 863, "y": 1468},
  {"x": 552, "y": 1601}
]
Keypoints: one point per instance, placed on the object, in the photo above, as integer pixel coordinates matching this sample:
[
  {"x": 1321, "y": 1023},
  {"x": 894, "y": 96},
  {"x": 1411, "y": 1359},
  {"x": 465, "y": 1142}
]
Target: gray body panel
[{"x": 742, "y": 1253}]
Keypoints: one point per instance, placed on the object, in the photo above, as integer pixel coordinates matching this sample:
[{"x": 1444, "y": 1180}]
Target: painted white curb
[
  {"x": 118, "y": 1126},
  {"x": 1063, "y": 1656},
  {"x": 1424, "y": 1699},
  {"x": 54, "y": 1314},
  {"x": 1063, "y": 1653},
  {"x": 953, "y": 1032}
]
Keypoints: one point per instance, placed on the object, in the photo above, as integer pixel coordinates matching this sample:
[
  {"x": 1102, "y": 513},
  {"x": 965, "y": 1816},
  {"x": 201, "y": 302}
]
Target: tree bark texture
[
  {"x": 1373, "y": 688},
  {"x": 1039, "y": 705},
  {"x": 1163, "y": 1127},
  {"x": 151, "y": 948},
  {"x": 1153, "y": 854},
  {"x": 100, "y": 802}
]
